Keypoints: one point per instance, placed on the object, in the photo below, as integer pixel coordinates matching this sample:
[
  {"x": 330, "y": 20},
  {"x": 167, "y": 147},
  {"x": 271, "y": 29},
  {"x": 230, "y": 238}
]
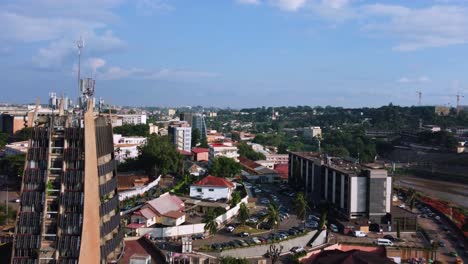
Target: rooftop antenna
[
  {"x": 419, "y": 97},
  {"x": 80, "y": 46}
]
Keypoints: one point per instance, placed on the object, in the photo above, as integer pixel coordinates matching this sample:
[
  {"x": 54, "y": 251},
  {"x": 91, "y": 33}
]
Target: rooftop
[
  {"x": 199, "y": 150},
  {"x": 214, "y": 181}
]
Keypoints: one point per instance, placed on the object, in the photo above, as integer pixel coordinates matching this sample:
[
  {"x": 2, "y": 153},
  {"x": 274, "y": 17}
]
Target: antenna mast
[
  {"x": 458, "y": 95},
  {"x": 80, "y": 46},
  {"x": 419, "y": 97}
]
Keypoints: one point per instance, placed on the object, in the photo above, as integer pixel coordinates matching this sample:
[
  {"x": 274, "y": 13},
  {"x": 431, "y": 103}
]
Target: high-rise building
[
  {"x": 195, "y": 120},
  {"x": 354, "y": 190},
  {"x": 181, "y": 135},
  {"x": 69, "y": 204}
]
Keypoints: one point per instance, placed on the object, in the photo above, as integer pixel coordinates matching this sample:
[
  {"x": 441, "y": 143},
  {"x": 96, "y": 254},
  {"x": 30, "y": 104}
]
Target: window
[
  {"x": 211, "y": 190},
  {"x": 199, "y": 190}
]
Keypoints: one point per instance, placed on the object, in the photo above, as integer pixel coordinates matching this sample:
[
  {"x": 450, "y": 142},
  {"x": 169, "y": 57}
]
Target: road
[
  {"x": 435, "y": 230},
  {"x": 448, "y": 191}
]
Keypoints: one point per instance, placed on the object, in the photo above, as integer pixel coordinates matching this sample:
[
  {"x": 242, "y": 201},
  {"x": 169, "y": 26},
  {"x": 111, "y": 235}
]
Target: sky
[{"x": 237, "y": 53}]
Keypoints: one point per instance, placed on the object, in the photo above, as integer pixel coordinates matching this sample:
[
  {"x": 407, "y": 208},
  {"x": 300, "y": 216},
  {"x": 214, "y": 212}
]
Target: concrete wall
[
  {"x": 215, "y": 193},
  {"x": 186, "y": 230},
  {"x": 257, "y": 251},
  {"x": 138, "y": 190}
]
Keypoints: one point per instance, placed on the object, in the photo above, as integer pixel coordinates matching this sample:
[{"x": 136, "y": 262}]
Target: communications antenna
[
  {"x": 458, "y": 95},
  {"x": 419, "y": 97},
  {"x": 80, "y": 46}
]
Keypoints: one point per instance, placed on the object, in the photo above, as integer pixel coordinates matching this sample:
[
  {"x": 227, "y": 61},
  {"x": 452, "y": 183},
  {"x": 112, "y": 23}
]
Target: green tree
[
  {"x": 246, "y": 151},
  {"x": 225, "y": 167},
  {"x": 235, "y": 199},
  {"x": 141, "y": 130},
  {"x": 412, "y": 196},
  {"x": 13, "y": 165},
  {"x": 159, "y": 156},
  {"x": 203, "y": 142},
  {"x": 209, "y": 219},
  {"x": 23, "y": 134},
  {"x": 3, "y": 139},
  {"x": 272, "y": 217},
  {"x": 398, "y": 229},
  {"x": 323, "y": 219},
  {"x": 243, "y": 214},
  {"x": 301, "y": 206},
  {"x": 195, "y": 137},
  {"x": 274, "y": 253}
]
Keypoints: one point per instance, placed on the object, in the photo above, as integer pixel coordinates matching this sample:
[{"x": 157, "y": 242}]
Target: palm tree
[
  {"x": 301, "y": 206},
  {"x": 412, "y": 197},
  {"x": 211, "y": 225},
  {"x": 272, "y": 215},
  {"x": 243, "y": 214}
]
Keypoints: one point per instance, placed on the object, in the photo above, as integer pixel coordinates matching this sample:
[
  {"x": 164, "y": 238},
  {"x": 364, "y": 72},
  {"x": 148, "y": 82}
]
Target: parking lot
[{"x": 264, "y": 194}]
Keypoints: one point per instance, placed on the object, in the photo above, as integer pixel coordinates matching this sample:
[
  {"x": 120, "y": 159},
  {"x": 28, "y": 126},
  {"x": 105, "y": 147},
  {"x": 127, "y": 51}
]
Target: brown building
[{"x": 69, "y": 203}]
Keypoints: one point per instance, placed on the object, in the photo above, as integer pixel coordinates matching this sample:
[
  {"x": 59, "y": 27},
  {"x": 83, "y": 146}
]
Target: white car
[
  {"x": 314, "y": 218},
  {"x": 358, "y": 233},
  {"x": 297, "y": 249},
  {"x": 402, "y": 206},
  {"x": 230, "y": 229}
]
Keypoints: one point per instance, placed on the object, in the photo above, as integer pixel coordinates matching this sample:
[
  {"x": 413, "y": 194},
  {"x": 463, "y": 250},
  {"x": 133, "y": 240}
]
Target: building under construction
[{"x": 69, "y": 204}]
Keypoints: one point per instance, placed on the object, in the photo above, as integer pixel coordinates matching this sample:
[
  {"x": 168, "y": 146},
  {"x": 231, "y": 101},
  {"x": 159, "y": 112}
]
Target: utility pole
[{"x": 80, "y": 46}]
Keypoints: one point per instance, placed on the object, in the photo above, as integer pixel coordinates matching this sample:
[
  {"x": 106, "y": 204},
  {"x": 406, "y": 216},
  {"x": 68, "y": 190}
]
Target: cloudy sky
[{"x": 237, "y": 52}]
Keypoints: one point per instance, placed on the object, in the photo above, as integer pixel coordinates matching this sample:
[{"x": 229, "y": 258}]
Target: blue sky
[{"x": 237, "y": 53}]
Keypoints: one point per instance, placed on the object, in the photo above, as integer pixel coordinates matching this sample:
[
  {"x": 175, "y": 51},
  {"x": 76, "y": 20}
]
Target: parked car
[
  {"x": 441, "y": 244},
  {"x": 453, "y": 254},
  {"x": 256, "y": 240},
  {"x": 334, "y": 228},
  {"x": 358, "y": 233},
  {"x": 198, "y": 236},
  {"x": 313, "y": 217},
  {"x": 389, "y": 237},
  {"x": 384, "y": 242},
  {"x": 297, "y": 249},
  {"x": 252, "y": 220},
  {"x": 216, "y": 247},
  {"x": 230, "y": 228},
  {"x": 402, "y": 206},
  {"x": 244, "y": 234}
]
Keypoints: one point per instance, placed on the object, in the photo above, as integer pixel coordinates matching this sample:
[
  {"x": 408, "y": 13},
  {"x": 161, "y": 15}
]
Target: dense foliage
[
  {"x": 159, "y": 156},
  {"x": 23, "y": 134},
  {"x": 3, "y": 139},
  {"x": 196, "y": 136},
  {"x": 246, "y": 151},
  {"x": 225, "y": 167},
  {"x": 12, "y": 165},
  {"x": 127, "y": 130}
]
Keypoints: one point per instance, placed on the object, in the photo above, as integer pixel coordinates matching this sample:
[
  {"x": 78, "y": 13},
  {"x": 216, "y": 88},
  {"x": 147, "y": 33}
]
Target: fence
[
  {"x": 138, "y": 190},
  {"x": 186, "y": 230}
]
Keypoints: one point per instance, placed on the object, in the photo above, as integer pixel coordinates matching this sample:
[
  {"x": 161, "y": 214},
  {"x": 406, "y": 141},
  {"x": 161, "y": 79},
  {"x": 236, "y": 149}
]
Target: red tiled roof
[
  {"x": 248, "y": 163},
  {"x": 185, "y": 153},
  {"x": 199, "y": 150},
  {"x": 174, "y": 214},
  {"x": 134, "y": 225},
  {"x": 214, "y": 181},
  {"x": 283, "y": 170},
  {"x": 146, "y": 213}
]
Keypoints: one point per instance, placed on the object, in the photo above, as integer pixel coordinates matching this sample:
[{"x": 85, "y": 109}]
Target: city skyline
[{"x": 238, "y": 53}]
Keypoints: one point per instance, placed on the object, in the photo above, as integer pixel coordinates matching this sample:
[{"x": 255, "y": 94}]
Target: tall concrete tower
[{"x": 69, "y": 202}]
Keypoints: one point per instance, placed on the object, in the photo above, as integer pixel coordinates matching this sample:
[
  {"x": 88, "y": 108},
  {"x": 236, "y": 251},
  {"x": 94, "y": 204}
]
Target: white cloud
[
  {"x": 249, "y": 2},
  {"x": 116, "y": 73},
  {"x": 289, "y": 5},
  {"x": 337, "y": 4},
  {"x": 149, "y": 7},
  {"x": 418, "y": 28},
  {"x": 420, "y": 79}
]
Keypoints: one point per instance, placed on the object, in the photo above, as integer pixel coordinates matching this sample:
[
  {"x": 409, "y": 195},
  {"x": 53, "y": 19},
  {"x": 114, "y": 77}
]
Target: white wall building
[
  {"x": 127, "y": 147},
  {"x": 312, "y": 132},
  {"x": 135, "y": 119},
  {"x": 224, "y": 150},
  {"x": 278, "y": 158},
  {"x": 181, "y": 135},
  {"x": 212, "y": 188}
]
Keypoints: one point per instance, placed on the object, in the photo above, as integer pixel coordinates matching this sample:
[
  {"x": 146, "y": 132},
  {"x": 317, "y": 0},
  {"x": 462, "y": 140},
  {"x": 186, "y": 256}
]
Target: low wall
[
  {"x": 138, "y": 190},
  {"x": 187, "y": 230},
  {"x": 260, "y": 250}
]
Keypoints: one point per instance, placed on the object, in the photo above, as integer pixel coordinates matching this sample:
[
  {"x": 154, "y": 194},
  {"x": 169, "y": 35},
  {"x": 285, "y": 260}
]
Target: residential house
[
  {"x": 200, "y": 154},
  {"x": 212, "y": 188}
]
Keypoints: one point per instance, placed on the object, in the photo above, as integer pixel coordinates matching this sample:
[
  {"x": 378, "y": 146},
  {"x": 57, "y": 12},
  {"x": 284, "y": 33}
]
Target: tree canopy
[
  {"x": 23, "y": 134},
  {"x": 141, "y": 130},
  {"x": 225, "y": 167},
  {"x": 247, "y": 152},
  {"x": 196, "y": 136},
  {"x": 160, "y": 156}
]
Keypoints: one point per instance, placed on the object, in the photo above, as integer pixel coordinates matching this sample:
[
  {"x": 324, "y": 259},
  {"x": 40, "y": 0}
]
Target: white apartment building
[
  {"x": 181, "y": 135},
  {"x": 312, "y": 132},
  {"x": 224, "y": 150},
  {"x": 212, "y": 188},
  {"x": 126, "y": 147},
  {"x": 277, "y": 158},
  {"x": 135, "y": 119}
]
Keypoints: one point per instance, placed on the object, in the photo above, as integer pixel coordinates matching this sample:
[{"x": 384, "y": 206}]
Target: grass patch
[{"x": 246, "y": 228}]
